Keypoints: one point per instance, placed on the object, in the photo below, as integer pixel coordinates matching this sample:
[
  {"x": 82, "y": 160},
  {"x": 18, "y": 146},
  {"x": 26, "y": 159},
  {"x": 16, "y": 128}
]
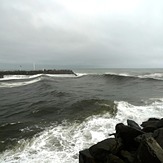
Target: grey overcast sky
[{"x": 82, "y": 33}]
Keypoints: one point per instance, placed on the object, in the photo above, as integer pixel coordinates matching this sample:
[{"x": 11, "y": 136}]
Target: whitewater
[{"x": 48, "y": 118}]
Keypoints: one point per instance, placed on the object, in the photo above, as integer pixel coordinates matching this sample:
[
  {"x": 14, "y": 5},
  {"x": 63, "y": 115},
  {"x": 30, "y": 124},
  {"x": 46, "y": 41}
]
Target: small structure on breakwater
[
  {"x": 132, "y": 144},
  {"x": 35, "y": 72}
]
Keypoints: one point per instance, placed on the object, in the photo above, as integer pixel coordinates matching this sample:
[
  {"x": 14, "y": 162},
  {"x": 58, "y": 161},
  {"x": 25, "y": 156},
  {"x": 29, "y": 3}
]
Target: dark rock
[
  {"x": 100, "y": 150},
  {"x": 85, "y": 157},
  {"x": 34, "y": 72},
  {"x": 114, "y": 159},
  {"x": 150, "y": 125},
  {"x": 133, "y": 124},
  {"x": 128, "y": 134},
  {"x": 149, "y": 151},
  {"x": 140, "y": 137},
  {"x": 153, "y": 119},
  {"x": 158, "y": 135},
  {"x": 127, "y": 156},
  {"x": 160, "y": 123},
  {"x": 1, "y": 76},
  {"x": 130, "y": 145}
]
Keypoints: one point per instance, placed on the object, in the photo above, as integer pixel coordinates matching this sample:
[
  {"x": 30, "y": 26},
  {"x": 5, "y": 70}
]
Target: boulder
[
  {"x": 100, "y": 150},
  {"x": 153, "y": 119},
  {"x": 133, "y": 124},
  {"x": 158, "y": 135},
  {"x": 149, "y": 151},
  {"x": 140, "y": 137},
  {"x": 150, "y": 125},
  {"x": 85, "y": 157},
  {"x": 127, "y": 156},
  {"x": 130, "y": 145},
  {"x": 114, "y": 159},
  {"x": 160, "y": 123},
  {"x": 128, "y": 135}
]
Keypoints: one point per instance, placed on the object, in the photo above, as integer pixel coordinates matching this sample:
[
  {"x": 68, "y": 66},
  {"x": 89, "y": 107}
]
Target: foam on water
[
  {"x": 61, "y": 143},
  {"x": 7, "y": 83},
  {"x": 17, "y": 77},
  {"x": 118, "y": 74},
  {"x": 18, "y": 84},
  {"x": 158, "y": 76},
  {"x": 81, "y": 74},
  {"x": 60, "y": 75}
]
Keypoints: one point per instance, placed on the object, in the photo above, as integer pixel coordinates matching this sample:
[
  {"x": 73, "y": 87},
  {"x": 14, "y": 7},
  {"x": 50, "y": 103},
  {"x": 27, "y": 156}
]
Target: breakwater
[
  {"x": 35, "y": 72},
  {"x": 131, "y": 144}
]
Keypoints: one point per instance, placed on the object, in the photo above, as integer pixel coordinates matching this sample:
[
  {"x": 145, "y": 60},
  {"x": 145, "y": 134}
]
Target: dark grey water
[{"x": 34, "y": 106}]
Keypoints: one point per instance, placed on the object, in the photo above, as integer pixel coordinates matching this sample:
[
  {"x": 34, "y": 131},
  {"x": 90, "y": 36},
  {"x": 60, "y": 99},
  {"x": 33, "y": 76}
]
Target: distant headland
[{"x": 35, "y": 72}]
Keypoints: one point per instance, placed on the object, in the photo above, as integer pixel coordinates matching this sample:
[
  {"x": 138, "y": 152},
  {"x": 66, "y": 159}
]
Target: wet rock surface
[{"x": 131, "y": 144}]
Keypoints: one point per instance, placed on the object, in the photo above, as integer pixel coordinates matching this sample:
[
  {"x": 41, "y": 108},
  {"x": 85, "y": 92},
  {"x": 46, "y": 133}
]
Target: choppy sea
[{"x": 50, "y": 118}]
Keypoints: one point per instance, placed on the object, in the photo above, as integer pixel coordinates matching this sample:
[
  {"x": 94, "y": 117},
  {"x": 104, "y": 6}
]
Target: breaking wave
[
  {"x": 21, "y": 80},
  {"x": 10, "y": 84},
  {"x": 60, "y": 143}
]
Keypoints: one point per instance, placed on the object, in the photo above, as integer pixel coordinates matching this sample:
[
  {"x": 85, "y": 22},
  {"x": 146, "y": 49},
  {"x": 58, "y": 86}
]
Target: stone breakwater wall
[
  {"x": 130, "y": 144},
  {"x": 34, "y": 72}
]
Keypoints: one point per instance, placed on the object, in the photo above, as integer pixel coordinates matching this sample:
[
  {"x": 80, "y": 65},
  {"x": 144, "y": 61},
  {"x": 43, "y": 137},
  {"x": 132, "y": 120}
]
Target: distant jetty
[{"x": 35, "y": 72}]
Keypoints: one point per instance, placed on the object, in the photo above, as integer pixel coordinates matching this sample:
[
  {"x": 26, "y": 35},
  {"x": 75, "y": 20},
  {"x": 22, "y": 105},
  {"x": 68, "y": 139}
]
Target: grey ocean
[{"x": 49, "y": 118}]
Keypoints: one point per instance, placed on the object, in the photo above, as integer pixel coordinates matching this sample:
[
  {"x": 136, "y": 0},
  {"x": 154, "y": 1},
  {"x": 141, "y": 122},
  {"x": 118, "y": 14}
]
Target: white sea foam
[
  {"x": 5, "y": 82},
  {"x": 17, "y": 77},
  {"x": 18, "y": 83},
  {"x": 60, "y": 75},
  {"x": 81, "y": 74},
  {"x": 118, "y": 74},
  {"x": 158, "y": 76},
  {"x": 61, "y": 144},
  {"x": 153, "y": 76}
]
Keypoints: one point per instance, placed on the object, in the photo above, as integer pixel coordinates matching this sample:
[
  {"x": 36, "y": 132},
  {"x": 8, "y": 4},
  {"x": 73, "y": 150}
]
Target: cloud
[{"x": 90, "y": 33}]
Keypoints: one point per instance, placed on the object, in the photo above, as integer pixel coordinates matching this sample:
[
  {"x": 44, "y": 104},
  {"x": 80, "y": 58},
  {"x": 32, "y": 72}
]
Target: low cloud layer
[{"x": 80, "y": 33}]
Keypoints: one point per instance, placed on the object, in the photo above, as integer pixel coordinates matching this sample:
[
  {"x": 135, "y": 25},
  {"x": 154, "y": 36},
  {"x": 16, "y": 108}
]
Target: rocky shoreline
[
  {"x": 35, "y": 72},
  {"x": 131, "y": 144}
]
